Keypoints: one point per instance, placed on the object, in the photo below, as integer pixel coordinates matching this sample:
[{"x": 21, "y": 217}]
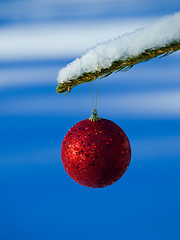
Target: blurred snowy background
[{"x": 38, "y": 200}]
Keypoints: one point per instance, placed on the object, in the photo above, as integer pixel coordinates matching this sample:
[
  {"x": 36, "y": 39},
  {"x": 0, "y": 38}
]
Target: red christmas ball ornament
[{"x": 95, "y": 152}]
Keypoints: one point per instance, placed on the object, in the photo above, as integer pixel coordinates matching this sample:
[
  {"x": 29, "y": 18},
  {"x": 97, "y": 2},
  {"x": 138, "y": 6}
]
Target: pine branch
[{"x": 120, "y": 65}]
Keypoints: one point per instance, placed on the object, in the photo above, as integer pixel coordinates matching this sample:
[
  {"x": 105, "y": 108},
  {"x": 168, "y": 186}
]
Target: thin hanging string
[
  {"x": 96, "y": 92},
  {"x": 94, "y": 106},
  {"x": 92, "y": 95}
]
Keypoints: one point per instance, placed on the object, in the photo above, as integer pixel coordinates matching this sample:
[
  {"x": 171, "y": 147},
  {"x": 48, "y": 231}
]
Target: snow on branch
[{"x": 120, "y": 54}]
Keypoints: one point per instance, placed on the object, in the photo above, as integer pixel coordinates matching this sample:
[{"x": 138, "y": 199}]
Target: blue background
[{"x": 38, "y": 200}]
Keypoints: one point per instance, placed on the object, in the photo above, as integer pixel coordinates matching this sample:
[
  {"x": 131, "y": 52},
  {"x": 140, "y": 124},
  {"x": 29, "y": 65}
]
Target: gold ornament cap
[{"x": 94, "y": 117}]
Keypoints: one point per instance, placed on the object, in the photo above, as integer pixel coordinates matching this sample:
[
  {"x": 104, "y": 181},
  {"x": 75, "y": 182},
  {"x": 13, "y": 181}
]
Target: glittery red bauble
[{"x": 96, "y": 153}]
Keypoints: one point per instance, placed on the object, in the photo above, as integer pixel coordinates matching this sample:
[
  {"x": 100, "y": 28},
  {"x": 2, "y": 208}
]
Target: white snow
[{"x": 158, "y": 34}]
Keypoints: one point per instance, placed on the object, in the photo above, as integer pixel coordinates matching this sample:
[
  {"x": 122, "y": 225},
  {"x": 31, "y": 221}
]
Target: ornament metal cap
[{"x": 94, "y": 117}]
